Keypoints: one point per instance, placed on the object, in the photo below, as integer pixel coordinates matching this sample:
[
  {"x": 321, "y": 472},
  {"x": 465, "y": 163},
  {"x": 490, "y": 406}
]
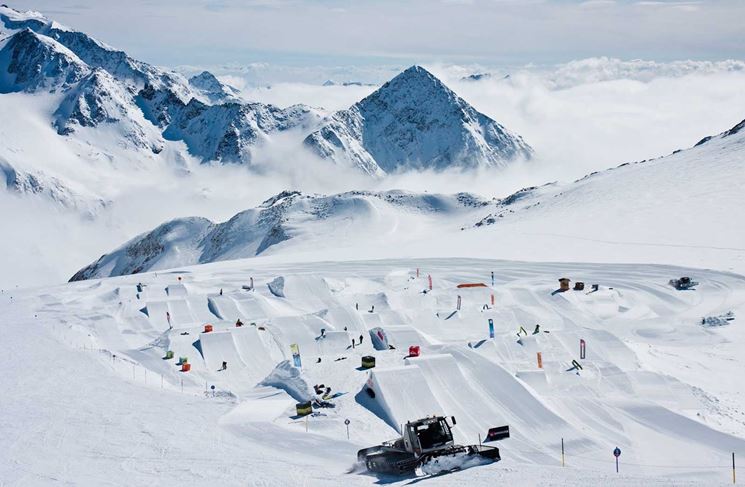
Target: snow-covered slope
[
  {"x": 305, "y": 220},
  {"x": 415, "y": 121},
  {"x": 687, "y": 200},
  {"x": 38, "y": 183},
  {"x": 91, "y": 358}
]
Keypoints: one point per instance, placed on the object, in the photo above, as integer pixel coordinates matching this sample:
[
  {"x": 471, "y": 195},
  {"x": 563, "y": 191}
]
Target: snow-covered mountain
[
  {"x": 99, "y": 99},
  {"x": 34, "y": 62},
  {"x": 214, "y": 90},
  {"x": 229, "y": 132},
  {"x": 672, "y": 209},
  {"x": 415, "y": 121},
  {"x": 303, "y": 218},
  {"x": 104, "y": 86}
]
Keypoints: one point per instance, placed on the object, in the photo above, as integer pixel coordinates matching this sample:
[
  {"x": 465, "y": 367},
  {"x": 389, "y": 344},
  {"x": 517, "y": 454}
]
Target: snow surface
[{"x": 92, "y": 399}]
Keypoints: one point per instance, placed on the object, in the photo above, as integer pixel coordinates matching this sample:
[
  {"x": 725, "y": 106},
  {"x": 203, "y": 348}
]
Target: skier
[
  {"x": 357, "y": 306},
  {"x": 238, "y": 323},
  {"x": 361, "y": 339},
  {"x": 220, "y": 291},
  {"x": 224, "y": 365},
  {"x": 372, "y": 309},
  {"x": 323, "y": 332},
  {"x": 537, "y": 329}
]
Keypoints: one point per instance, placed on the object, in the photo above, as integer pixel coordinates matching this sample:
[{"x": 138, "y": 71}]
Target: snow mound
[
  {"x": 289, "y": 379},
  {"x": 277, "y": 286}
]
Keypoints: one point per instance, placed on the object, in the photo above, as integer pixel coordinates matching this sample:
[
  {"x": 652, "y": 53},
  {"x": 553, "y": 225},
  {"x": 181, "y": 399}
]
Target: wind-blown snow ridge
[{"x": 415, "y": 121}]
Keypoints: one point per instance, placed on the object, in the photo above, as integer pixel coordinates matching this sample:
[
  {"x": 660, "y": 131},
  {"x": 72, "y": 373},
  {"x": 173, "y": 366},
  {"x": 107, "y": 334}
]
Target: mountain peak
[
  {"x": 416, "y": 78},
  {"x": 206, "y": 81},
  {"x": 414, "y": 121},
  {"x": 35, "y": 61}
]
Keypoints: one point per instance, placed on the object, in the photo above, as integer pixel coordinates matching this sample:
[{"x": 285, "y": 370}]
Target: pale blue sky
[{"x": 380, "y": 32}]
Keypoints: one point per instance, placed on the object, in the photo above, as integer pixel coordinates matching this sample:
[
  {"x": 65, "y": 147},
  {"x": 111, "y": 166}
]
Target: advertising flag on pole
[
  {"x": 296, "y": 355},
  {"x": 458, "y": 306},
  {"x": 491, "y": 328},
  {"x": 582, "y": 349},
  {"x": 429, "y": 277}
]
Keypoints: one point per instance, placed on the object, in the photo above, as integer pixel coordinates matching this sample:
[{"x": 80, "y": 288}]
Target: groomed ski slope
[{"x": 94, "y": 399}]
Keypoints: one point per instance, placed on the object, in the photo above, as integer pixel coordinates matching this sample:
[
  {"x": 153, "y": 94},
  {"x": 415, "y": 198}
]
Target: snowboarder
[
  {"x": 372, "y": 309},
  {"x": 537, "y": 329},
  {"x": 323, "y": 332},
  {"x": 224, "y": 365},
  {"x": 345, "y": 328},
  {"x": 238, "y": 323},
  {"x": 319, "y": 360},
  {"x": 220, "y": 291}
]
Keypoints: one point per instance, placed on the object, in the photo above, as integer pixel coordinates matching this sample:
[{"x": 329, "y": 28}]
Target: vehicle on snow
[
  {"x": 683, "y": 283},
  {"x": 427, "y": 442}
]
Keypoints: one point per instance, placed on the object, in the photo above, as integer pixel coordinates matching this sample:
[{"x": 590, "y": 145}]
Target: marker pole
[{"x": 734, "y": 477}]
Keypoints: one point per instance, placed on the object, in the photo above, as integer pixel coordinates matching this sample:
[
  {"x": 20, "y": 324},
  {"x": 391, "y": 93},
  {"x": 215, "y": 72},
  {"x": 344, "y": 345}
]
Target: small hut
[{"x": 564, "y": 284}]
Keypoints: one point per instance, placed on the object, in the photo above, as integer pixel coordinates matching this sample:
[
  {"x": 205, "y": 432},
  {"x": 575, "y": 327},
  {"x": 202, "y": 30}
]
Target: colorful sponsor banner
[{"x": 296, "y": 355}]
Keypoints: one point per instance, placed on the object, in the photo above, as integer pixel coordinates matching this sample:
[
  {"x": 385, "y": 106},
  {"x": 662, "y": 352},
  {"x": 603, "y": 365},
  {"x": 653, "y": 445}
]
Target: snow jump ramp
[{"x": 402, "y": 394}]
